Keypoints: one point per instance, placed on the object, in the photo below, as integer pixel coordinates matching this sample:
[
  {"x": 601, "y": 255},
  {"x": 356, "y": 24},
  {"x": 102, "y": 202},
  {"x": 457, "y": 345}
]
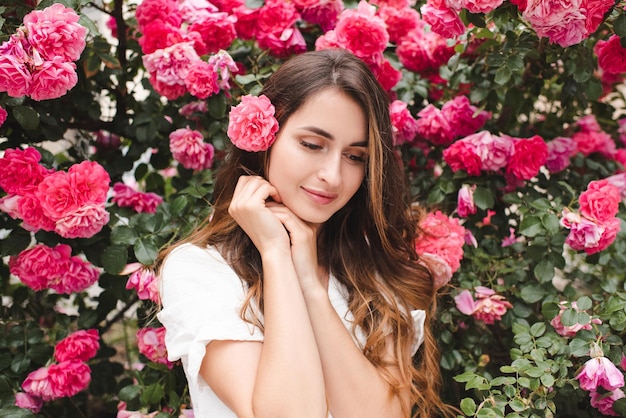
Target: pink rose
[
  {"x": 224, "y": 65},
  {"x": 595, "y": 11},
  {"x": 53, "y": 79},
  {"x": 126, "y": 196},
  {"x": 560, "y": 151},
  {"x": 27, "y": 401},
  {"x": 439, "y": 268},
  {"x": 57, "y": 195},
  {"x": 91, "y": 182},
  {"x": 442, "y": 236},
  {"x": 170, "y": 66},
  {"x": 15, "y": 78},
  {"x": 83, "y": 222},
  {"x": 30, "y": 210},
  {"x": 151, "y": 343},
  {"x": 9, "y": 205},
  {"x": 570, "y": 330},
  {"x": 600, "y": 372},
  {"x": 325, "y": 13},
  {"x": 55, "y": 32},
  {"x": 386, "y": 74},
  {"x": 81, "y": 345},
  {"x": 151, "y": 10},
  {"x": 480, "y": 6},
  {"x": 443, "y": 20},
  {"x": 586, "y": 234},
  {"x": 603, "y": 402},
  {"x": 404, "y": 125},
  {"x": 611, "y": 55},
  {"x": 217, "y": 31},
  {"x": 423, "y": 52},
  {"x": 246, "y": 22},
  {"x": 465, "y": 201},
  {"x": 588, "y": 142},
  {"x": 362, "y": 32},
  {"x": 37, "y": 384},
  {"x": 252, "y": 126},
  {"x": 201, "y": 80},
  {"x": 194, "y": 10},
  {"x": 37, "y": 267},
  {"x": 145, "y": 282},
  {"x": 189, "y": 149},
  {"x": 600, "y": 201},
  {"x": 488, "y": 306},
  {"x": 527, "y": 158},
  {"x": 561, "y": 22},
  {"x": 433, "y": 126},
  {"x": 78, "y": 276},
  {"x": 69, "y": 378},
  {"x": 283, "y": 45},
  {"x": 20, "y": 171},
  {"x": 159, "y": 35},
  {"x": 462, "y": 156},
  {"x": 463, "y": 117},
  {"x": 494, "y": 151},
  {"x": 3, "y": 115},
  {"x": 400, "y": 21}
]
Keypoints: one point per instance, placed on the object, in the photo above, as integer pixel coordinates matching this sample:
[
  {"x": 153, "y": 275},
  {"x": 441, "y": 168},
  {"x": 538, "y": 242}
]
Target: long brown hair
[{"x": 368, "y": 245}]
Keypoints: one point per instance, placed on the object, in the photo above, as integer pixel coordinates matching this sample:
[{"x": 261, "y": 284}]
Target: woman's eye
[
  {"x": 356, "y": 158},
  {"x": 310, "y": 145}
]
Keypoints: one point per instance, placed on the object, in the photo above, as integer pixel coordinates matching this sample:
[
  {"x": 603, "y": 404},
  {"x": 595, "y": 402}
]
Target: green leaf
[
  {"x": 128, "y": 393},
  {"x": 619, "y": 25},
  {"x": 503, "y": 75},
  {"x": 544, "y": 270},
  {"x": 517, "y": 405},
  {"x": 583, "y": 303},
  {"x": 114, "y": 259},
  {"x": 578, "y": 347},
  {"x": 593, "y": 89},
  {"x": 538, "y": 329},
  {"x": 532, "y": 293},
  {"x": 569, "y": 317},
  {"x": 152, "y": 394},
  {"x": 468, "y": 406},
  {"x": 550, "y": 310},
  {"x": 547, "y": 380},
  {"x": 531, "y": 226},
  {"x": 146, "y": 250},
  {"x": 483, "y": 198},
  {"x": 27, "y": 117},
  {"x": 551, "y": 222}
]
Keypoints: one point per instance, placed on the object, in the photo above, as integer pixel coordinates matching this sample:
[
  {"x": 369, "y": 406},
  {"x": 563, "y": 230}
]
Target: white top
[{"x": 202, "y": 297}]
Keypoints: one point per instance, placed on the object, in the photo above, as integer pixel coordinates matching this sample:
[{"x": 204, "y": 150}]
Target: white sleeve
[
  {"x": 419, "y": 317},
  {"x": 201, "y": 299}
]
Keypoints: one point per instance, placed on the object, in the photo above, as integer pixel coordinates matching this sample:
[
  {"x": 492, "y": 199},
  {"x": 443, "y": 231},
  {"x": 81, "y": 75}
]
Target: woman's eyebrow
[{"x": 328, "y": 135}]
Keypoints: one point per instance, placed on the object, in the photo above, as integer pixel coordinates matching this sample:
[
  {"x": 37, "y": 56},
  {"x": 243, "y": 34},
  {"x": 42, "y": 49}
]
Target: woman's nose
[{"x": 330, "y": 170}]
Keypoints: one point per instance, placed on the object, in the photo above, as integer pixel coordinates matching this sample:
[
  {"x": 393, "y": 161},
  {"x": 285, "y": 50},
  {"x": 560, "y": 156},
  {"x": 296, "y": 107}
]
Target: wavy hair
[{"x": 368, "y": 245}]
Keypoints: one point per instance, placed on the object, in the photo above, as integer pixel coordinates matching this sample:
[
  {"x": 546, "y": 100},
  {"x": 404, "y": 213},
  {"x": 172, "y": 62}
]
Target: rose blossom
[
  {"x": 400, "y": 21},
  {"x": 587, "y": 235},
  {"x": 604, "y": 402},
  {"x": 570, "y": 330},
  {"x": 252, "y": 125},
  {"x": 30, "y": 211},
  {"x": 611, "y": 55},
  {"x": 27, "y": 401},
  {"x": 560, "y": 151},
  {"x": 442, "y": 236},
  {"x": 81, "y": 345},
  {"x": 423, "y": 52},
  {"x": 159, "y": 35},
  {"x": 38, "y": 266},
  {"x": 465, "y": 201},
  {"x": 494, "y": 151},
  {"x": 433, "y": 126},
  {"x": 600, "y": 201},
  {"x": 126, "y": 196},
  {"x": 189, "y": 149},
  {"x": 404, "y": 125},
  {"x": 151, "y": 343},
  {"x": 223, "y": 64},
  {"x": 441, "y": 271},
  {"x": 463, "y": 117},
  {"x": 20, "y": 171},
  {"x": 15, "y": 78},
  {"x": 217, "y": 31},
  {"x": 144, "y": 281},
  {"x": 588, "y": 142},
  {"x": 38, "y": 384},
  {"x": 562, "y": 22},
  {"x": 193, "y": 10},
  {"x": 67, "y": 378},
  {"x": 488, "y": 306},
  {"x": 169, "y": 67},
  {"x": 442, "y": 19},
  {"x": 600, "y": 372},
  {"x": 386, "y": 74},
  {"x": 83, "y": 222},
  {"x": 55, "y": 32},
  {"x": 461, "y": 155},
  {"x": 3, "y": 115},
  {"x": 78, "y": 276},
  {"x": 362, "y": 32},
  {"x": 323, "y": 13},
  {"x": 201, "y": 80},
  {"x": 53, "y": 79},
  {"x": 529, "y": 154},
  {"x": 151, "y": 10}
]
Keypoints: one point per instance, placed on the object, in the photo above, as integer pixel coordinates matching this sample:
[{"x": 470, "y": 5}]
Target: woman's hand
[
  {"x": 249, "y": 208},
  {"x": 303, "y": 238}
]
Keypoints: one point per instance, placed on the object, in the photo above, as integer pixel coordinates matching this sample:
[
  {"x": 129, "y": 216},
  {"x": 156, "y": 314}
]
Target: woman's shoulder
[{"x": 188, "y": 253}]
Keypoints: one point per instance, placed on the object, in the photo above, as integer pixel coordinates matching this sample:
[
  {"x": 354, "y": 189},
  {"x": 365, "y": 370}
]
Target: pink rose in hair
[
  {"x": 528, "y": 156},
  {"x": 55, "y": 32},
  {"x": 126, "y": 196},
  {"x": 37, "y": 267},
  {"x": 151, "y": 343},
  {"x": 442, "y": 236},
  {"x": 252, "y": 126},
  {"x": 83, "y": 222},
  {"x": 600, "y": 372},
  {"x": 433, "y": 126},
  {"x": 189, "y": 149},
  {"x": 611, "y": 55},
  {"x": 560, "y": 151},
  {"x": 30, "y": 402},
  {"x": 20, "y": 171},
  {"x": 404, "y": 125},
  {"x": 600, "y": 201},
  {"x": 68, "y": 378},
  {"x": 570, "y": 330},
  {"x": 461, "y": 155},
  {"x": 603, "y": 402},
  {"x": 81, "y": 345}
]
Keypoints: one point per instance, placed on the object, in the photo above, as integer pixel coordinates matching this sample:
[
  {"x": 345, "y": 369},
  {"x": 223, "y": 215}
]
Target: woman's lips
[{"x": 319, "y": 197}]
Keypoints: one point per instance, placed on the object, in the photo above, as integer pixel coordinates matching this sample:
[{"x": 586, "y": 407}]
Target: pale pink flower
[
  {"x": 488, "y": 306},
  {"x": 588, "y": 123},
  {"x": 83, "y": 222},
  {"x": 170, "y": 66},
  {"x": 511, "y": 239},
  {"x": 494, "y": 151},
  {"x": 15, "y": 77},
  {"x": 600, "y": 372},
  {"x": 68, "y": 378},
  {"x": 223, "y": 65},
  {"x": 570, "y": 330},
  {"x": 151, "y": 343},
  {"x": 619, "y": 181},
  {"x": 81, "y": 345},
  {"x": 252, "y": 126},
  {"x": 439, "y": 268},
  {"x": 9, "y": 205},
  {"x": 480, "y": 6},
  {"x": 192, "y": 11},
  {"x": 37, "y": 267},
  {"x": 588, "y": 235},
  {"x": 126, "y": 196},
  {"x": 442, "y": 236},
  {"x": 603, "y": 402},
  {"x": 37, "y": 384},
  {"x": 189, "y": 149},
  {"x": 27, "y": 401},
  {"x": 560, "y": 151},
  {"x": 189, "y": 110},
  {"x": 465, "y": 201},
  {"x": 55, "y": 32},
  {"x": 562, "y": 22},
  {"x": 443, "y": 20},
  {"x": 404, "y": 125},
  {"x": 145, "y": 282}
]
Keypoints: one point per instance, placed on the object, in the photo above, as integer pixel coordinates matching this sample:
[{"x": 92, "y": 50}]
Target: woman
[{"x": 303, "y": 295}]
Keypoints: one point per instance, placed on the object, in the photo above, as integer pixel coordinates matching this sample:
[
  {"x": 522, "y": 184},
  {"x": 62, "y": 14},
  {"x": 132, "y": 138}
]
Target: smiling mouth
[{"x": 320, "y": 198}]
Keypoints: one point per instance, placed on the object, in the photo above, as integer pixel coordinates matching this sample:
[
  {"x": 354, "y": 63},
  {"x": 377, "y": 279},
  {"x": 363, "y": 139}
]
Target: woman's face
[{"x": 318, "y": 160}]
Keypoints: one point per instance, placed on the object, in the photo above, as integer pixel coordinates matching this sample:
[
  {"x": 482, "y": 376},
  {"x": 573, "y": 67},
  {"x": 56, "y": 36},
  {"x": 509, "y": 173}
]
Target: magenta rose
[
  {"x": 400, "y": 21},
  {"x": 465, "y": 201},
  {"x": 20, "y": 171},
  {"x": 41, "y": 265},
  {"x": 325, "y": 14},
  {"x": 81, "y": 345},
  {"x": 588, "y": 142},
  {"x": 433, "y": 126},
  {"x": 126, "y": 196},
  {"x": 252, "y": 126},
  {"x": 3, "y": 115},
  {"x": 462, "y": 156},
  {"x": 78, "y": 276},
  {"x": 560, "y": 151},
  {"x": 150, "y": 10},
  {"x": 201, "y": 80},
  {"x": 217, "y": 31},
  {"x": 600, "y": 201},
  {"x": 527, "y": 158},
  {"x": 158, "y": 35},
  {"x": 404, "y": 125},
  {"x": 611, "y": 55},
  {"x": 57, "y": 195},
  {"x": 463, "y": 117},
  {"x": 31, "y": 212},
  {"x": 189, "y": 149},
  {"x": 151, "y": 343},
  {"x": 362, "y": 32},
  {"x": 68, "y": 378}
]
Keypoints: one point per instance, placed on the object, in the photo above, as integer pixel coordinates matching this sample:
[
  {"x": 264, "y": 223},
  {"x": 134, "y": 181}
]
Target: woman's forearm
[
  {"x": 289, "y": 380},
  {"x": 354, "y": 386}
]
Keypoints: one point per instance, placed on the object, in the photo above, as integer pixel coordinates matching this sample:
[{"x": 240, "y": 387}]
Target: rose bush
[{"x": 508, "y": 119}]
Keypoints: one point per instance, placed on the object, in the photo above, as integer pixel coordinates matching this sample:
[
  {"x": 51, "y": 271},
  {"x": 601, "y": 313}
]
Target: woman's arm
[{"x": 282, "y": 377}]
